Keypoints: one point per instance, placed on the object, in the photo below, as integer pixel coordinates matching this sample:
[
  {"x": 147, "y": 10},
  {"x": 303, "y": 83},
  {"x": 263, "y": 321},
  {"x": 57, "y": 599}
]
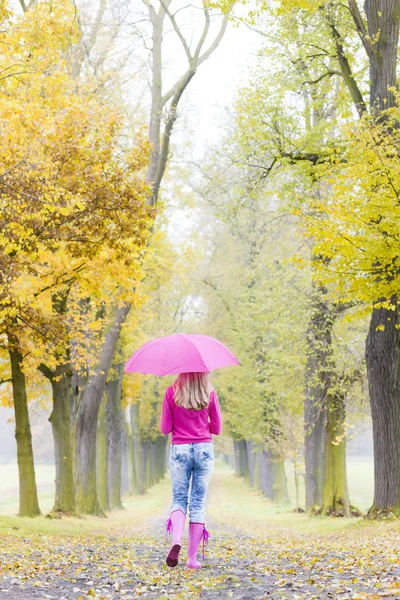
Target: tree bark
[
  {"x": 28, "y": 498},
  {"x": 136, "y": 448},
  {"x": 114, "y": 437},
  {"x": 273, "y": 482},
  {"x": 236, "y": 456},
  {"x": 126, "y": 464},
  {"x": 86, "y": 426},
  {"x": 335, "y": 495},
  {"x": 241, "y": 448},
  {"x": 132, "y": 479},
  {"x": 251, "y": 459},
  {"x": 60, "y": 380},
  {"x": 162, "y": 447},
  {"x": 383, "y": 346},
  {"x": 318, "y": 381},
  {"x": 280, "y": 491},
  {"x": 101, "y": 458},
  {"x": 383, "y": 367},
  {"x": 153, "y": 464},
  {"x": 145, "y": 466},
  {"x": 262, "y": 473},
  {"x": 383, "y": 18}
]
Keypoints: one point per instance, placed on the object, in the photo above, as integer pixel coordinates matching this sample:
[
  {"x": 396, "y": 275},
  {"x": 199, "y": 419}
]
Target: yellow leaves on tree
[
  {"x": 73, "y": 200},
  {"x": 359, "y": 232}
]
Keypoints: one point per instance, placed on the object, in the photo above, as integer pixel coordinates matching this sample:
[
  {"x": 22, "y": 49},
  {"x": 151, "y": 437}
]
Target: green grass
[
  {"x": 231, "y": 499},
  {"x": 136, "y": 510}
]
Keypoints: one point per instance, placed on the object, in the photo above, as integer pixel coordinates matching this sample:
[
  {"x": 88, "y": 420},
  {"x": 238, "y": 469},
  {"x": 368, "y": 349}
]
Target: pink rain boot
[
  {"x": 176, "y": 526},
  {"x": 197, "y": 532}
]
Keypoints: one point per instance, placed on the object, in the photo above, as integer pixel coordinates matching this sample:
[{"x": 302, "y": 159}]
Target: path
[{"x": 249, "y": 557}]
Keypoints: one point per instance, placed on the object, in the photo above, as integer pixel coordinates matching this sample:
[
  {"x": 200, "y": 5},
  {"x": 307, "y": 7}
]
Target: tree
[
  {"x": 372, "y": 143},
  {"x": 160, "y": 143},
  {"x": 245, "y": 296},
  {"x": 66, "y": 185}
]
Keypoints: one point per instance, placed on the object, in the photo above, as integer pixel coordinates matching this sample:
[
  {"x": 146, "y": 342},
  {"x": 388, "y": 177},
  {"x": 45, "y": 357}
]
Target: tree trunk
[
  {"x": 236, "y": 456},
  {"x": 335, "y": 496},
  {"x": 86, "y": 425},
  {"x": 60, "y": 380},
  {"x": 137, "y": 448},
  {"x": 313, "y": 451},
  {"x": 383, "y": 346},
  {"x": 273, "y": 482},
  {"x": 101, "y": 458},
  {"x": 241, "y": 458},
  {"x": 162, "y": 445},
  {"x": 256, "y": 469},
  {"x": 132, "y": 479},
  {"x": 156, "y": 103},
  {"x": 143, "y": 467},
  {"x": 154, "y": 465},
  {"x": 251, "y": 461},
  {"x": 145, "y": 470},
  {"x": 262, "y": 474},
  {"x": 280, "y": 491},
  {"x": 383, "y": 19},
  {"x": 383, "y": 367},
  {"x": 318, "y": 381},
  {"x": 28, "y": 498},
  {"x": 297, "y": 487},
  {"x": 114, "y": 437},
  {"x": 126, "y": 464}
]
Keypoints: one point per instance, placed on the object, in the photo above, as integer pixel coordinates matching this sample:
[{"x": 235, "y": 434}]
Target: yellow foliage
[
  {"x": 357, "y": 225},
  {"x": 74, "y": 216}
]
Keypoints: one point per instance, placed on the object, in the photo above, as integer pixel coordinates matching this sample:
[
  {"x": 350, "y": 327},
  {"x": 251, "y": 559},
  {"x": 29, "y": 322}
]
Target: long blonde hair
[{"x": 192, "y": 390}]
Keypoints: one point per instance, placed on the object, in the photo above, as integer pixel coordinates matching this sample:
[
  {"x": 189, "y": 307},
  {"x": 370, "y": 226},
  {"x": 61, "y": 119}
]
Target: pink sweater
[{"x": 188, "y": 426}]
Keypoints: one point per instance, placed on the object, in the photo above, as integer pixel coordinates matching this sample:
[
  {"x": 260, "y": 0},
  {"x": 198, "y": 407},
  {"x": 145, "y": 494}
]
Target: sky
[
  {"x": 207, "y": 99},
  {"x": 213, "y": 88}
]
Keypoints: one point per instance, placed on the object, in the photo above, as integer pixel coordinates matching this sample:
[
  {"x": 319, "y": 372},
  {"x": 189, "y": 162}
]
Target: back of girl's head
[{"x": 192, "y": 390}]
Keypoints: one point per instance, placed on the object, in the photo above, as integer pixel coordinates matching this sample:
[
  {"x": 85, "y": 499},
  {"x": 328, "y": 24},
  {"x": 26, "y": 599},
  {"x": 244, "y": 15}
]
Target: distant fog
[{"x": 42, "y": 435}]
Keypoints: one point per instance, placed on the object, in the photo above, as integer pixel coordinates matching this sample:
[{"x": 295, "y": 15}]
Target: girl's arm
[
  {"x": 166, "y": 416},
  {"x": 215, "y": 415}
]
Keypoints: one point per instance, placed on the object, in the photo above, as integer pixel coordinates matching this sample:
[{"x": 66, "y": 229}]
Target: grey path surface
[{"x": 130, "y": 564}]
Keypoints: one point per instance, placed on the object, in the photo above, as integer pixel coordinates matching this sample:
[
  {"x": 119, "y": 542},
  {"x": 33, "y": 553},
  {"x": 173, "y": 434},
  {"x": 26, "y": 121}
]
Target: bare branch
[
  {"x": 48, "y": 373},
  {"x": 361, "y": 28},
  {"x": 347, "y": 74},
  {"x": 173, "y": 90},
  {"x": 198, "y": 60},
  {"x": 313, "y": 157},
  {"x": 177, "y": 30},
  {"x": 5, "y": 381},
  {"x": 328, "y": 73},
  {"x": 218, "y": 38},
  {"x": 151, "y": 9},
  {"x": 172, "y": 115},
  {"x": 96, "y": 26},
  {"x": 203, "y": 35}
]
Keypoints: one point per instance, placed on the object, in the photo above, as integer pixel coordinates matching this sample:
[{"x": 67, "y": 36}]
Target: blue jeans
[{"x": 191, "y": 462}]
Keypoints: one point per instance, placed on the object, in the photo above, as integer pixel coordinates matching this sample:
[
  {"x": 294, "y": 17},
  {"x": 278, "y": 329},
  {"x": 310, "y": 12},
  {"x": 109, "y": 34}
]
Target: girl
[{"x": 191, "y": 412}]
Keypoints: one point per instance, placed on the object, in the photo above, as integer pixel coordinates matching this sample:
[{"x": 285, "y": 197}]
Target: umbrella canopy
[{"x": 180, "y": 353}]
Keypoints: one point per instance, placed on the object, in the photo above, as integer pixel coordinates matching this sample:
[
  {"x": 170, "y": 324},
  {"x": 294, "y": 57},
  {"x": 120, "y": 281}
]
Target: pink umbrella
[{"x": 180, "y": 353}]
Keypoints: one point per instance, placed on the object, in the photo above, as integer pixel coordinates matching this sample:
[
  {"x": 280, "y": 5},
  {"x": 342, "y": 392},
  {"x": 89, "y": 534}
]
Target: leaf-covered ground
[{"x": 256, "y": 551}]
